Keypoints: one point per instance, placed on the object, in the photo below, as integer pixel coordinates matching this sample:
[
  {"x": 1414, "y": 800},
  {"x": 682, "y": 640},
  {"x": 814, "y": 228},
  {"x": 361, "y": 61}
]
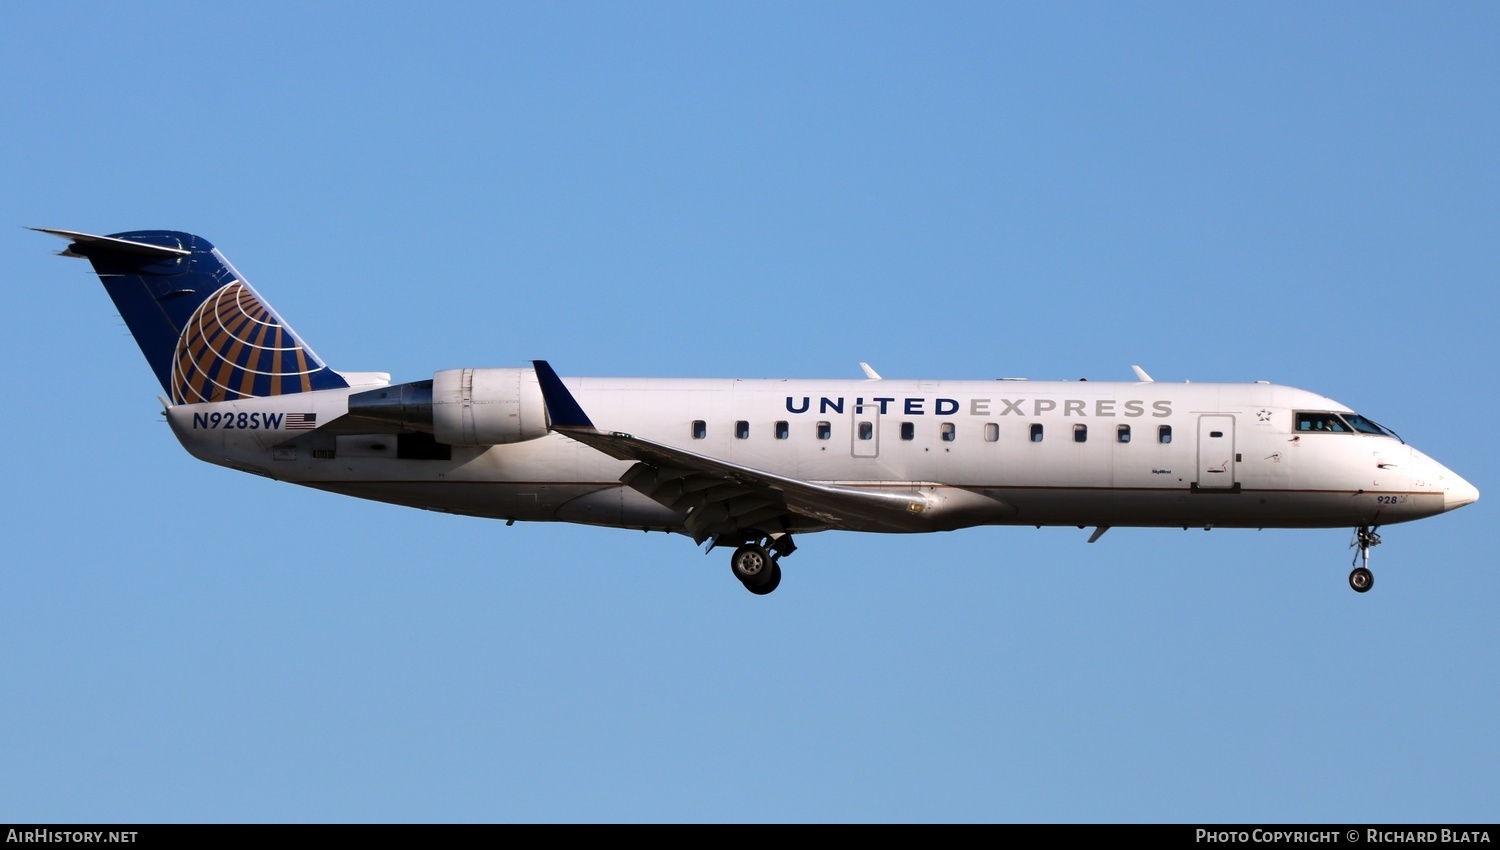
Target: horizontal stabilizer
[{"x": 86, "y": 244}]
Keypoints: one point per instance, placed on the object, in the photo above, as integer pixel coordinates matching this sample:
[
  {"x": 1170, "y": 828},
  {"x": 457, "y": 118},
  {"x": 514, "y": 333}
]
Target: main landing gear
[
  {"x": 757, "y": 564},
  {"x": 1365, "y": 539}
]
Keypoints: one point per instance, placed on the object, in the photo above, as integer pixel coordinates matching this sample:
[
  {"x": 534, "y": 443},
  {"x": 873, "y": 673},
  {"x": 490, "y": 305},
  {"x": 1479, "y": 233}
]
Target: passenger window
[
  {"x": 742, "y": 430},
  {"x": 783, "y": 430},
  {"x": 1036, "y": 432},
  {"x": 1080, "y": 433},
  {"x": 700, "y": 429},
  {"x": 947, "y": 432},
  {"x": 1122, "y": 433},
  {"x": 1164, "y": 434},
  {"x": 866, "y": 431},
  {"x": 991, "y": 432},
  {"x": 908, "y": 431},
  {"x": 825, "y": 430}
]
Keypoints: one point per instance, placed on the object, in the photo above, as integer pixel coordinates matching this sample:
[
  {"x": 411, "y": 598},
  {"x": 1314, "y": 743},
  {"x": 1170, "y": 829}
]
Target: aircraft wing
[{"x": 720, "y": 497}]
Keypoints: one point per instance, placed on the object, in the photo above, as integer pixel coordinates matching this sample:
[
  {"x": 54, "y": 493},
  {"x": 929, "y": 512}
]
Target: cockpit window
[
  {"x": 1368, "y": 426},
  {"x": 1324, "y": 422}
]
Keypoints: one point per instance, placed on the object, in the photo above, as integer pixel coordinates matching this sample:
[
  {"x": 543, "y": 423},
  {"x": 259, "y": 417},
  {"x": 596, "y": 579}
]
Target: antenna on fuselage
[
  {"x": 870, "y": 373},
  {"x": 1141, "y": 373}
]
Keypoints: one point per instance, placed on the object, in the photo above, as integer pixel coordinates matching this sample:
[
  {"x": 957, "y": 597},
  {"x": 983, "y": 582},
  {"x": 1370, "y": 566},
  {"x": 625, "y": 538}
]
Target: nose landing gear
[{"x": 1365, "y": 539}]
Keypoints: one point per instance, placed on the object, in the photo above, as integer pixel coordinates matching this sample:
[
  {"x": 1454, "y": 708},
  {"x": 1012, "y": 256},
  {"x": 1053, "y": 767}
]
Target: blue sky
[{"x": 1232, "y": 191}]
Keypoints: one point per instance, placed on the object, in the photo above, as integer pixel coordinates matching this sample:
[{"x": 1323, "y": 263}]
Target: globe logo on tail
[{"x": 235, "y": 347}]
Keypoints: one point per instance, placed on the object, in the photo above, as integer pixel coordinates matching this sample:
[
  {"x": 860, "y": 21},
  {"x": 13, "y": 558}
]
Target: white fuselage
[{"x": 1016, "y": 452}]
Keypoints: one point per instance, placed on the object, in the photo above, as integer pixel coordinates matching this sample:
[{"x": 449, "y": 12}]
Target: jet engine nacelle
[
  {"x": 459, "y": 407},
  {"x": 486, "y": 407}
]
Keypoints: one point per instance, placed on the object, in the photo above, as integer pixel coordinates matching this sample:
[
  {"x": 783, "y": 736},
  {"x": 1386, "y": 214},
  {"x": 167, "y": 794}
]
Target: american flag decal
[{"x": 301, "y": 421}]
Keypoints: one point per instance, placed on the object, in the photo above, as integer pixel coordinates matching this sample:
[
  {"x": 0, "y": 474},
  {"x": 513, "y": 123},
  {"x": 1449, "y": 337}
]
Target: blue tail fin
[{"x": 205, "y": 332}]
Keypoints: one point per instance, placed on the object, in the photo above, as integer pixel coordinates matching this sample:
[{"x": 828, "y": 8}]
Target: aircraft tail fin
[{"x": 206, "y": 333}]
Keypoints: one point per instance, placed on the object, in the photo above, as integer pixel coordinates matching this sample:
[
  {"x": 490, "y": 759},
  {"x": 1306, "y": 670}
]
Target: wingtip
[{"x": 563, "y": 411}]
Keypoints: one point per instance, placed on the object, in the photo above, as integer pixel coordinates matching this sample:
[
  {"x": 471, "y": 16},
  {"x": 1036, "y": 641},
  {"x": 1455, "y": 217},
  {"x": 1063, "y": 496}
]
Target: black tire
[
  {"x": 770, "y": 585},
  {"x": 1361, "y": 580},
  {"x": 752, "y": 565}
]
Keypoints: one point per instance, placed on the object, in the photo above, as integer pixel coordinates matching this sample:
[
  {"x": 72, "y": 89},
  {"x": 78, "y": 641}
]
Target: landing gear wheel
[
  {"x": 771, "y": 583},
  {"x": 1365, "y": 539},
  {"x": 1361, "y": 579},
  {"x": 752, "y": 565}
]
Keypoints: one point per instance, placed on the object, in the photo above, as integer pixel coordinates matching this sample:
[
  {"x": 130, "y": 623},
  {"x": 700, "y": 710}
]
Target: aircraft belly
[
  {"x": 531, "y": 481},
  {"x": 618, "y": 506},
  {"x": 1243, "y": 509},
  {"x": 527, "y": 501}
]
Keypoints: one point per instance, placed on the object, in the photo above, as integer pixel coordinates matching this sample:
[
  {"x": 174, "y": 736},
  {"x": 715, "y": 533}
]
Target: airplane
[{"x": 750, "y": 464}]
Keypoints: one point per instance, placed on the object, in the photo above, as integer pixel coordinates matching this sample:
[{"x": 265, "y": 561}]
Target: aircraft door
[
  {"x": 1216, "y": 452},
  {"x": 866, "y": 431}
]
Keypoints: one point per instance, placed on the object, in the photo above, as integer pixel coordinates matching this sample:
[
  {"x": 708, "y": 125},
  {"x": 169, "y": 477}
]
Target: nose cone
[
  {"x": 1428, "y": 474},
  {"x": 1457, "y": 492}
]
